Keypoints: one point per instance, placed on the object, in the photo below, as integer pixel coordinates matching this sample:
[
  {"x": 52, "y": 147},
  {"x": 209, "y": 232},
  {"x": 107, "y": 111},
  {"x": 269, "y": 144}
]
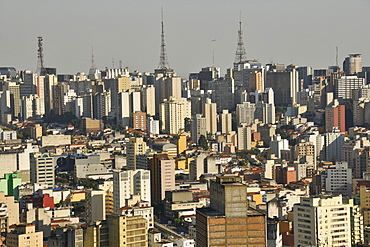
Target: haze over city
[
  {"x": 286, "y": 31},
  {"x": 184, "y": 123}
]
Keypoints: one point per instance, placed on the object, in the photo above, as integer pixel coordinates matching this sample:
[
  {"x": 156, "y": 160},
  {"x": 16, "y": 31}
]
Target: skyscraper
[
  {"x": 210, "y": 114},
  {"x": 345, "y": 85},
  {"x": 134, "y": 147},
  {"x": 173, "y": 113},
  {"x": 198, "y": 127},
  {"x": 352, "y": 64},
  {"x": 335, "y": 116},
  {"x": 225, "y": 122},
  {"x": 127, "y": 183},
  {"x": 322, "y": 221},
  {"x": 162, "y": 178},
  {"x": 285, "y": 85}
]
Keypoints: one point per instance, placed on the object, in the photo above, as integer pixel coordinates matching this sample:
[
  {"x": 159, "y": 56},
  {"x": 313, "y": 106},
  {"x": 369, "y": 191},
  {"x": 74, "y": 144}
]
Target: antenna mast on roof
[
  {"x": 40, "y": 55},
  {"x": 240, "y": 54},
  {"x": 163, "y": 59}
]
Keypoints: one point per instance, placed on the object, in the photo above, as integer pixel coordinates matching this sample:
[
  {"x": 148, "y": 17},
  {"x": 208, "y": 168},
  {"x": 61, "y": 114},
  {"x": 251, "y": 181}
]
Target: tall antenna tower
[
  {"x": 40, "y": 55},
  {"x": 240, "y": 54},
  {"x": 92, "y": 58},
  {"x": 336, "y": 56},
  {"x": 163, "y": 60}
]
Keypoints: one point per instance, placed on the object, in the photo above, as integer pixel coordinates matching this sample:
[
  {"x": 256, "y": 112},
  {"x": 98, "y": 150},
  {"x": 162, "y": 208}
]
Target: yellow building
[
  {"x": 257, "y": 198},
  {"x": 181, "y": 143},
  {"x": 76, "y": 196},
  {"x": 127, "y": 231},
  {"x": 183, "y": 163}
]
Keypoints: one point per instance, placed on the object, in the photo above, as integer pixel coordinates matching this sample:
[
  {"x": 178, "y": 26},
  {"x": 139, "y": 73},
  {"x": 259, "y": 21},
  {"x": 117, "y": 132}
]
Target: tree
[{"x": 202, "y": 142}]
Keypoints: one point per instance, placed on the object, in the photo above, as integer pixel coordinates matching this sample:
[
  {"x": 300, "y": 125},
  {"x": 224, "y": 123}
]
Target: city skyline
[{"x": 190, "y": 28}]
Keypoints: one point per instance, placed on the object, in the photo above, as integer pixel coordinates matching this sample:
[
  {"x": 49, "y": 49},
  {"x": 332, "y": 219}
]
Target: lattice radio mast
[
  {"x": 40, "y": 55},
  {"x": 240, "y": 54},
  {"x": 163, "y": 59}
]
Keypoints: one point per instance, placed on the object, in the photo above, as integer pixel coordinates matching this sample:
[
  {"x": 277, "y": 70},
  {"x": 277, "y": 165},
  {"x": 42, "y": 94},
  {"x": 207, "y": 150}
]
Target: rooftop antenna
[
  {"x": 336, "y": 56},
  {"x": 113, "y": 62},
  {"x": 240, "y": 54},
  {"x": 120, "y": 64},
  {"x": 40, "y": 55},
  {"x": 163, "y": 59}
]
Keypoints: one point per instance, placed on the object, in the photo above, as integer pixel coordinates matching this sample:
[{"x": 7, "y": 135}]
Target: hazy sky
[{"x": 303, "y": 32}]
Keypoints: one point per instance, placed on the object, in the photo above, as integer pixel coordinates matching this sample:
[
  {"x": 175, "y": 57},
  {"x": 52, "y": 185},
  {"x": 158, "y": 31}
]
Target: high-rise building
[
  {"x": 352, "y": 64},
  {"x": 9, "y": 213},
  {"x": 58, "y": 93},
  {"x": 230, "y": 221},
  {"x": 245, "y": 113},
  {"x": 134, "y": 147},
  {"x": 5, "y": 102},
  {"x": 198, "y": 127},
  {"x": 210, "y": 114},
  {"x": 102, "y": 105},
  {"x": 345, "y": 85},
  {"x": 277, "y": 145},
  {"x": 304, "y": 152},
  {"x": 95, "y": 205},
  {"x": 162, "y": 176},
  {"x": 167, "y": 88},
  {"x": 322, "y": 221},
  {"x": 29, "y": 85},
  {"x": 31, "y": 107},
  {"x": 265, "y": 112},
  {"x": 223, "y": 93},
  {"x": 244, "y": 137},
  {"x": 138, "y": 120},
  {"x": 25, "y": 235},
  {"x": 225, "y": 122},
  {"x": 15, "y": 98},
  {"x": 173, "y": 113},
  {"x": 135, "y": 102},
  {"x": 333, "y": 145},
  {"x": 97, "y": 234},
  {"x": 255, "y": 81},
  {"x": 116, "y": 86},
  {"x": 182, "y": 144},
  {"x": 148, "y": 100},
  {"x": 285, "y": 84},
  {"x": 127, "y": 231},
  {"x": 152, "y": 126},
  {"x": 338, "y": 180},
  {"x": 42, "y": 169},
  {"x": 123, "y": 112},
  {"x": 365, "y": 204},
  {"x": 130, "y": 182},
  {"x": 36, "y": 131},
  {"x": 335, "y": 116}
]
